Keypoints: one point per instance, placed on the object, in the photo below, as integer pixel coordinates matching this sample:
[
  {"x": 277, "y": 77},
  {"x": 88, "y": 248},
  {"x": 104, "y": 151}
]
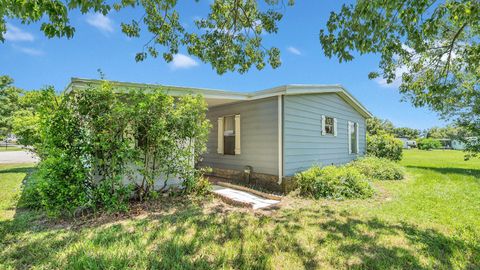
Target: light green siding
[
  {"x": 303, "y": 143},
  {"x": 259, "y": 136}
]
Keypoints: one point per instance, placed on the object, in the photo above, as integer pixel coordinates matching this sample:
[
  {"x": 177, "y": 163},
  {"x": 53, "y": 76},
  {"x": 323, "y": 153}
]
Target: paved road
[{"x": 17, "y": 157}]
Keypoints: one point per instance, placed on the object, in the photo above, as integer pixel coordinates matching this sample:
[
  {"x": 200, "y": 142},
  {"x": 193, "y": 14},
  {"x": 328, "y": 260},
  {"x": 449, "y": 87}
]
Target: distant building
[
  {"x": 458, "y": 145},
  {"x": 461, "y": 145},
  {"x": 446, "y": 143},
  {"x": 407, "y": 143}
]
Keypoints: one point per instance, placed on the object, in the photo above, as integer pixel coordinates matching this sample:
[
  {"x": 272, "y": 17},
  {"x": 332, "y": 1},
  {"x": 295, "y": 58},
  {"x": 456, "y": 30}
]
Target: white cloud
[
  {"x": 294, "y": 50},
  {"x": 16, "y": 34},
  {"x": 398, "y": 78},
  {"x": 181, "y": 61},
  {"x": 101, "y": 22},
  {"x": 29, "y": 51},
  {"x": 398, "y": 72}
]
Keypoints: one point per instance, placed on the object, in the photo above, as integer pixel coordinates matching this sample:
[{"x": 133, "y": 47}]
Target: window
[
  {"x": 329, "y": 125},
  {"x": 229, "y": 135},
  {"x": 353, "y": 137}
]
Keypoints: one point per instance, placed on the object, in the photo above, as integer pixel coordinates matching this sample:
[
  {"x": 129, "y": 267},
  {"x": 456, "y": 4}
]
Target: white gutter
[
  {"x": 280, "y": 139},
  {"x": 292, "y": 89}
]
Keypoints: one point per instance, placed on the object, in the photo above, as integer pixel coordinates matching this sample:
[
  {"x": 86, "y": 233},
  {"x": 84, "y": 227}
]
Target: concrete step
[{"x": 242, "y": 198}]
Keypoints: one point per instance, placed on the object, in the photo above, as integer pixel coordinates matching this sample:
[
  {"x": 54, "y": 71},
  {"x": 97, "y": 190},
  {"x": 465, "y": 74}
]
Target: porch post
[{"x": 280, "y": 139}]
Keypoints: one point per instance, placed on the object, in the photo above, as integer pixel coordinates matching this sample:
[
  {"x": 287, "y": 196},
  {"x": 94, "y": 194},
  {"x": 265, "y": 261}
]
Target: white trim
[
  {"x": 292, "y": 89},
  {"x": 357, "y": 142},
  {"x": 335, "y": 126},
  {"x": 220, "y": 135},
  {"x": 349, "y": 130},
  {"x": 280, "y": 139},
  {"x": 324, "y": 130},
  {"x": 237, "y": 134}
]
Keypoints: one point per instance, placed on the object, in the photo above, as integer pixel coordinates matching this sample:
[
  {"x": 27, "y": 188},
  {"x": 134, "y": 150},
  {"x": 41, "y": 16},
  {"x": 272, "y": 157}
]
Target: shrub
[
  {"x": 29, "y": 198},
  {"x": 112, "y": 195},
  {"x": 384, "y": 146},
  {"x": 334, "y": 183},
  {"x": 379, "y": 168},
  {"x": 428, "y": 144},
  {"x": 93, "y": 138},
  {"x": 61, "y": 187}
]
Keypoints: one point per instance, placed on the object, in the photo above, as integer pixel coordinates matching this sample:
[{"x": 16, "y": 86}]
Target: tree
[
  {"x": 431, "y": 46},
  {"x": 26, "y": 119},
  {"x": 448, "y": 132},
  {"x": 9, "y": 103},
  {"x": 377, "y": 126},
  {"x": 406, "y": 132},
  {"x": 229, "y": 37}
]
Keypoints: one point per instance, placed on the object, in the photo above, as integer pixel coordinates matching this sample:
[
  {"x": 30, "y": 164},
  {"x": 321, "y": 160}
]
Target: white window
[
  {"x": 352, "y": 137},
  {"x": 329, "y": 125},
  {"x": 229, "y": 135}
]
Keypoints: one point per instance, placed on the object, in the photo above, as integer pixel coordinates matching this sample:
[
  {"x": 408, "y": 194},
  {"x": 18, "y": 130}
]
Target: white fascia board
[{"x": 292, "y": 89}]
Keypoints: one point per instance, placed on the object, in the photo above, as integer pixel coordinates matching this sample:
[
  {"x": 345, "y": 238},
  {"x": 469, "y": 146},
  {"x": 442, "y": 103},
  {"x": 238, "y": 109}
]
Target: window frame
[
  {"x": 333, "y": 126},
  {"x": 232, "y": 136},
  {"x": 221, "y": 137},
  {"x": 355, "y": 131}
]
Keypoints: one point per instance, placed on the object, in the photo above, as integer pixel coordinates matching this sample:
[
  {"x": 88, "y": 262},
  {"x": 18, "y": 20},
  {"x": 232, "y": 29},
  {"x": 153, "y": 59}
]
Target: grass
[
  {"x": 9, "y": 148},
  {"x": 428, "y": 221}
]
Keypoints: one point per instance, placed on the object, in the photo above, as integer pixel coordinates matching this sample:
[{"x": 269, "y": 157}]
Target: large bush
[
  {"x": 428, "y": 144},
  {"x": 379, "y": 168},
  {"x": 95, "y": 139},
  {"x": 384, "y": 146},
  {"x": 333, "y": 182}
]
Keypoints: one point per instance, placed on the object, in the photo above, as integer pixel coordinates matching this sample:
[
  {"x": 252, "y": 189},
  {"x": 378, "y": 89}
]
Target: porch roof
[{"x": 222, "y": 97}]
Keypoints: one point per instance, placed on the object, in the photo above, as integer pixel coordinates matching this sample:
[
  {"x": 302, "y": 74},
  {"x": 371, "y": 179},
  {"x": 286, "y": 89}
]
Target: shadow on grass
[
  {"x": 27, "y": 170},
  {"x": 183, "y": 234},
  {"x": 449, "y": 170}
]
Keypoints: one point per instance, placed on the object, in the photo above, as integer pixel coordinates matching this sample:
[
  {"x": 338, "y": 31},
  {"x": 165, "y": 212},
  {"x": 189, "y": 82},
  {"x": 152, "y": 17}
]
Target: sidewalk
[{"x": 17, "y": 157}]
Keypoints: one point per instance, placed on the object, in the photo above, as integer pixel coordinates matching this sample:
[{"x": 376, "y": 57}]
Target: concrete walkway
[
  {"x": 17, "y": 157},
  {"x": 244, "y": 197}
]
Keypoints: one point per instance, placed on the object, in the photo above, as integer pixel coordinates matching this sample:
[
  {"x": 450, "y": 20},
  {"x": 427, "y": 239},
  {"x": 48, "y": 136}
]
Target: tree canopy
[
  {"x": 377, "y": 126},
  {"x": 448, "y": 132},
  {"x": 9, "y": 104},
  {"x": 229, "y": 37},
  {"x": 431, "y": 46}
]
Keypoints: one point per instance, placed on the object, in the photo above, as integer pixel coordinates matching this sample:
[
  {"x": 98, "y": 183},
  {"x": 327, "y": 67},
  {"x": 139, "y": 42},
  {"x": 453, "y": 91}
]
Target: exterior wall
[
  {"x": 303, "y": 143},
  {"x": 258, "y": 135},
  {"x": 458, "y": 145}
]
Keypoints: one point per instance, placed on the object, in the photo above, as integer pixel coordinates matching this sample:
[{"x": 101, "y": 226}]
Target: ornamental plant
[
  {"x": 100, "y": 148},
  {"x": 428, "y": 144},
  {"x": 384, "y": 146},
  {"x": 379, "y": 168},
  {"x": 333, "y": 182}
]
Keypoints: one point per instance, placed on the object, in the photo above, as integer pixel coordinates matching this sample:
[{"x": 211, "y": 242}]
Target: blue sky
[{"x": 35, "y": 61}]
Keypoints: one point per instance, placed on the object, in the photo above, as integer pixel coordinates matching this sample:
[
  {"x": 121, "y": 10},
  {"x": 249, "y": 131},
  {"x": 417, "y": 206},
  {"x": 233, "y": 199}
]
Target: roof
[{"x": 221, "y": 97}]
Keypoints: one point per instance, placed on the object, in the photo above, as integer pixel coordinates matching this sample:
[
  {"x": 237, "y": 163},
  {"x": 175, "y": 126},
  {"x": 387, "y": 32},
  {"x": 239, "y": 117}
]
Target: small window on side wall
[
  {"x": 353, "y": 137},
  {"x": 229, "y": 135},
  {"x": 329, "y": 125}
]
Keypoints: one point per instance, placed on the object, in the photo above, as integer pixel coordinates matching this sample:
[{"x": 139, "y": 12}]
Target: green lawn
[
  {"x": 431, "y": 220},
  {"x": 9, "y": 148}
]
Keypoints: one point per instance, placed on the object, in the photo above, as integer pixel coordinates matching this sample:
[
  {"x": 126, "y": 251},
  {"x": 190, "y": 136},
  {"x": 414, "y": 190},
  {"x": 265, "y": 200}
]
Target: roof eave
[{"x": 292, "y": 89}]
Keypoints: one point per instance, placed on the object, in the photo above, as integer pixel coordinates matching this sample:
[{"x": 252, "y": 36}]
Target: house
[
  {"x": 461, "y": 144},
  {"x": 407, "y": 143},
  {"x": 267, "y": 136},
  {"x": 458, "y": 145},
  {"x": 446, "y": 143}
]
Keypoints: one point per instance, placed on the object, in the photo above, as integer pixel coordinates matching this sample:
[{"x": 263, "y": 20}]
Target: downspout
[{"x": 280, "y": 139}]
